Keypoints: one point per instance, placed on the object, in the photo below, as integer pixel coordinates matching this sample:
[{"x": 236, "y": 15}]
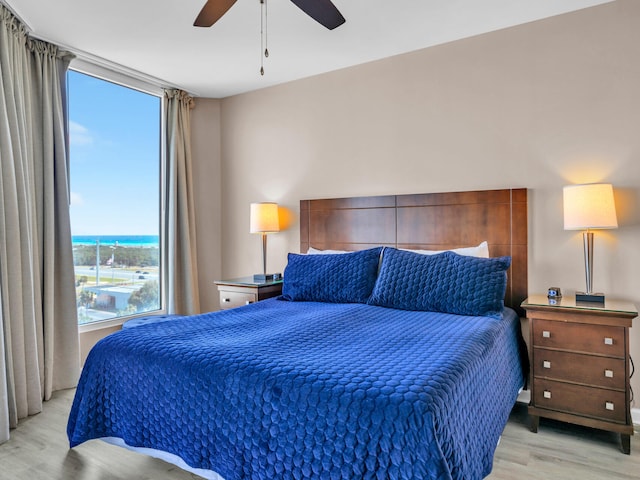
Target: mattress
[{"x": 283, "y": 389}]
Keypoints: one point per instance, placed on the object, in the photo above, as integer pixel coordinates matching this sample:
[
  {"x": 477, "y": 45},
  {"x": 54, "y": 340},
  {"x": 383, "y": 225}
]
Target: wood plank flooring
[
  {"x": 38, "y": 450},
  {"x": 561, "y": 451}
]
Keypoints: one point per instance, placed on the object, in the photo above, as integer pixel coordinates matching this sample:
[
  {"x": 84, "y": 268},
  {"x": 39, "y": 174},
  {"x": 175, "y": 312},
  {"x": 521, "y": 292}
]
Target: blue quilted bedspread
[{"x": 296, "y": 390}]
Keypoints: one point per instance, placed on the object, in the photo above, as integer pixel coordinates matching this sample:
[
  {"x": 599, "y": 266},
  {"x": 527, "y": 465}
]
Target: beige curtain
[
  {"x": 182, "y": 267},
  {"x": 37, "y": 284},
  {"x": 4, "y": 390}
]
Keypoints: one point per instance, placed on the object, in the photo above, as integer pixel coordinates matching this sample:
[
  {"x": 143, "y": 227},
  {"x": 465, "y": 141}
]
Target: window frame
[{"x": 150, "y": 86}]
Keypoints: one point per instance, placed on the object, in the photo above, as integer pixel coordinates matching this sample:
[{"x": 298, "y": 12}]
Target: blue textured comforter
[{"x": 308, "y": 390}]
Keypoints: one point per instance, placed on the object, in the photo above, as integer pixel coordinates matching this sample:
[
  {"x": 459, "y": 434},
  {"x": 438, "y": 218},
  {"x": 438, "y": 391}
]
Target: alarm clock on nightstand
[{"x": 554, "y": 294}]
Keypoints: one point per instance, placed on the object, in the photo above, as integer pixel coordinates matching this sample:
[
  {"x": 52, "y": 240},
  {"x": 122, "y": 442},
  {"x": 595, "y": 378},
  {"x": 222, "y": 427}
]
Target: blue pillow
[
  {"x": 337, "y": 278},
  {"x": 446, "y": 282}
]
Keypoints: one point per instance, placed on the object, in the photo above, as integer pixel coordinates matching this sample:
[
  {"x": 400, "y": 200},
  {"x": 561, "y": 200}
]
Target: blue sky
[{"x": 115, "y": 158}]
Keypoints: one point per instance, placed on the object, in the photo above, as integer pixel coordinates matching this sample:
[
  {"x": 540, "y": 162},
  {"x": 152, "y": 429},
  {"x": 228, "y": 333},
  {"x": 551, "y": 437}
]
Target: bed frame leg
[
  {"x": 625, "y": 441},
  {"x": 535, "y": 422}
]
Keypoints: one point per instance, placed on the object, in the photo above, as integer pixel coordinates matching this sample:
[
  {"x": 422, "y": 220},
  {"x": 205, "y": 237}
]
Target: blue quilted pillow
[
  {"x": 337, "y": 278},
  {"x": 446, "y": 282}
]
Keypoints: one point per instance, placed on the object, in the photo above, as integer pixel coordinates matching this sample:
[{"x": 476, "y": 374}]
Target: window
[{"x": 116, "y": 179}]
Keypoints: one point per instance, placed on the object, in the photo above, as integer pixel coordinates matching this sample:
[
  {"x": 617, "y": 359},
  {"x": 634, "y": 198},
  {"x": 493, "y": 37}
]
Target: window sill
[{"x": 115, "y": 322}]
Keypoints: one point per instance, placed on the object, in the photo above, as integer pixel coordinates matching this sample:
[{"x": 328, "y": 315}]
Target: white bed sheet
[{"x": 167, "y": 457}]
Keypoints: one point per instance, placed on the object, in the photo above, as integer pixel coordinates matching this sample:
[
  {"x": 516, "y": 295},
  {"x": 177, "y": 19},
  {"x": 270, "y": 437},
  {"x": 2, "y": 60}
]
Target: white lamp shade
[
  {"x": 589, "y": 206},
  {"x": 264, "y": 218}
]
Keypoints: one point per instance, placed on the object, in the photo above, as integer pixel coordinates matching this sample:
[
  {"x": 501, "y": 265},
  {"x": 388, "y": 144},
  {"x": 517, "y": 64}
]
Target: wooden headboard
[{"x": 430, "y": 221}]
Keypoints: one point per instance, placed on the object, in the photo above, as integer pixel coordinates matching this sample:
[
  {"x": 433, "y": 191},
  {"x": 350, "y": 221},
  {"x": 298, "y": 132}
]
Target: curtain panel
[
  {"x": 39, "y": 351},
  {"x": 182, "y": 266}
]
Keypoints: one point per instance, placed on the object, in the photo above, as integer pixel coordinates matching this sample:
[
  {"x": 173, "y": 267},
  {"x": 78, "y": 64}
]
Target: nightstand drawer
[
  {"x": 591, "y": 402},
  {"x": 235, "y": 299},
  {"x": 243, "y": 291},
  {"x": 579, "y": 337},
  {"x": 577, "y": 368}
]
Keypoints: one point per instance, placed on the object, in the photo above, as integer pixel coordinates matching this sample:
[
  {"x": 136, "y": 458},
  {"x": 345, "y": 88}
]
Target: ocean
[{"x": 123, "y": 240}]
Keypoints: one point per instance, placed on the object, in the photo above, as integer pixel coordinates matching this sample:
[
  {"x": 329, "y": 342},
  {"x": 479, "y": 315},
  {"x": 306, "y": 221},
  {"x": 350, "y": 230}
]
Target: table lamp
[
  {"x": 264, "y": 219},
  {"x": 589, "y": 207}
]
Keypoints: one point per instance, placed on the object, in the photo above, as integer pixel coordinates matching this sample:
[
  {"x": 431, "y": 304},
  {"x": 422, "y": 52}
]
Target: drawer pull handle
[
  {"x": 608, "y": 373},
  {"x": 608, "y": 341},
  {"x": 546, "y": 364},
  {"x": 248, "y": 302},
  {"x": 546, "y": 334},
  {"x": 226, "y": 300},
  {"x": 546, "y": 394},
  {"x": 608, "y": 405}
]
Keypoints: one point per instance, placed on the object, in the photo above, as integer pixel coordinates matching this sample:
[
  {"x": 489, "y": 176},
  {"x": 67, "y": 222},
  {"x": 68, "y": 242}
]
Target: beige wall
[
  {"x": 539, "y": 106},
  {"x": 90, "y": 337}
]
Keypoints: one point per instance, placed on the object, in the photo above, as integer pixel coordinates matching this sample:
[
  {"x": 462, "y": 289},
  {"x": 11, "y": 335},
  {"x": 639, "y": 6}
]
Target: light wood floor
[{"x": 38, "y": 450}]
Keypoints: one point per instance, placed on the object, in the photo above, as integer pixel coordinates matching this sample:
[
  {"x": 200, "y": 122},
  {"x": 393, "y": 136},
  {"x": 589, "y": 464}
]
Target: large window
[{"x": 115, "y": 172}]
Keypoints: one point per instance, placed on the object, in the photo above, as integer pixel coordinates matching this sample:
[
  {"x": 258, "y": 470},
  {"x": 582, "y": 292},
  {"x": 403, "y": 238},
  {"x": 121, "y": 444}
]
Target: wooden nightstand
[
  {"x": 243, "y": 291},
  {"x": 579, "y": 358}
]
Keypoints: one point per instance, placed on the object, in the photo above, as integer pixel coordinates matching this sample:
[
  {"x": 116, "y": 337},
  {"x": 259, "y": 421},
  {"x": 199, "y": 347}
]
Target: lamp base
[
  {"x": 590, "y": 297},
  {"x": 267, "y": 277}
]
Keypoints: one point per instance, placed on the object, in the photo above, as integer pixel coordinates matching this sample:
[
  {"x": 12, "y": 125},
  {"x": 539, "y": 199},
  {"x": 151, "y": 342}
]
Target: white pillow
[
  {"x": 315, "y": 251},
  {"x": 481, "y": 251}
]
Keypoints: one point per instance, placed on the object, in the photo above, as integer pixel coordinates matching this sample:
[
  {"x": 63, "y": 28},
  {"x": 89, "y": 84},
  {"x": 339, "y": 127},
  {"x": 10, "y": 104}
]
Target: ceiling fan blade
[
  {"x": 212, "y": 11},
  {"x": 322, "y": 11}
]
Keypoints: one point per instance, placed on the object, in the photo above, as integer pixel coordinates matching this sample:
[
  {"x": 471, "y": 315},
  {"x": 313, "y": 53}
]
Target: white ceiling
[{"x": 156, "y": 37}]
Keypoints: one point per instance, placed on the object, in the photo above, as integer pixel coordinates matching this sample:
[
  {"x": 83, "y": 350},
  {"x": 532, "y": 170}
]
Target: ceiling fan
[{"x": 322, "y": 11}]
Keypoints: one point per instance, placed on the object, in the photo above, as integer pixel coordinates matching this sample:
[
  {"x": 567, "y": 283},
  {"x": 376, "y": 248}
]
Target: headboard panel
[{"x": 432, "y": 221}]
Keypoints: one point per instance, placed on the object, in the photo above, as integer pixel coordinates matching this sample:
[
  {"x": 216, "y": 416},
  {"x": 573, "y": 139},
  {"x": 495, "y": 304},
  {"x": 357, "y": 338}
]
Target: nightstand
[
  {"x": 579, "y": 358},
  {"x": 243, "y": 291}
]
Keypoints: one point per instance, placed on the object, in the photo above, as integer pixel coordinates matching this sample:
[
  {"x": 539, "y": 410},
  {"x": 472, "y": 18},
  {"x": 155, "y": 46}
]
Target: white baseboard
[{"x": 635, "y": 416}]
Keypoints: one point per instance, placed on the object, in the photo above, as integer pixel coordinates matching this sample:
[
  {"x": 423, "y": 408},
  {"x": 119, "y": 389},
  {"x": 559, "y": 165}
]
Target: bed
[{"x": 370, "y": 365}]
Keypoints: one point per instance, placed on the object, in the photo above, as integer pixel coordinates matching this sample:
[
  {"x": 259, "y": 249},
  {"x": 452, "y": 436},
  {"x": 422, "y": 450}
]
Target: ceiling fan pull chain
[
  {"x": 322, "y": 11},
  {"x": 266, "y": 29},
  {"x": 263, "y": 34}
]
